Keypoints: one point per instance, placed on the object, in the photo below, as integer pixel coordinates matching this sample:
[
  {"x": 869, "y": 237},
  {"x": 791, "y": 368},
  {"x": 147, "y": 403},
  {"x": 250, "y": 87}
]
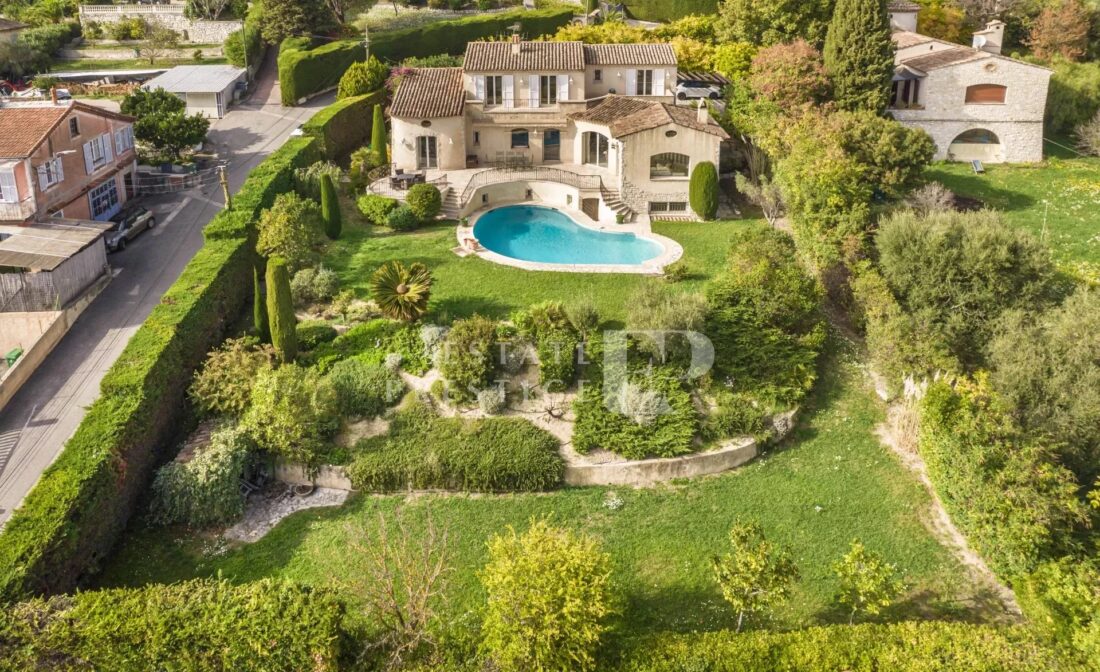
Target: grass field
[
  {"x": 1057, "y": 200},
  {"x": 88, "y": 64},
  {"x": 467, "y": 285},
  {"x": 830, "y": 482}
]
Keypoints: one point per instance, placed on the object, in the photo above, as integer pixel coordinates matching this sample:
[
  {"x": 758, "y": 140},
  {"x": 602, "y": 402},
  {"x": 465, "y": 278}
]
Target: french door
[{"x": 427, "y": 152}]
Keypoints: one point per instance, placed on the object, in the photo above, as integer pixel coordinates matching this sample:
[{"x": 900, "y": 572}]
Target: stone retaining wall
[
  {"x": 651, "y": 472},
  {"x": 170, "y": 16}
]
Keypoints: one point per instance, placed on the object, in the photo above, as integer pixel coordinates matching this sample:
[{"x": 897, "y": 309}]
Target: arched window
[
  {"x": 976, "y": 136},
  {"x": 985, "y": 94},
  {"x": 668, "y": 164}
]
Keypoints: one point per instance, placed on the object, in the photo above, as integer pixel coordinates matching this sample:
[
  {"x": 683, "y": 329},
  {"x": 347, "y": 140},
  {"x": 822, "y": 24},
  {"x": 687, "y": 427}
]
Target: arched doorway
[{"x": 976, "y": 144}]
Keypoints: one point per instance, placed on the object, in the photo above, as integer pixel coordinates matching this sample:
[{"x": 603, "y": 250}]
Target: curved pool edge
[{"x": 671, "y": 251}]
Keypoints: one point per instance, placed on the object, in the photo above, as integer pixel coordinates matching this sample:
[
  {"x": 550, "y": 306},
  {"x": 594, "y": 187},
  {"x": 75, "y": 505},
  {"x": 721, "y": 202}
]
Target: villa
[
  {"x": 589, "y": 127},
  {"x": 975, "y": 103}
]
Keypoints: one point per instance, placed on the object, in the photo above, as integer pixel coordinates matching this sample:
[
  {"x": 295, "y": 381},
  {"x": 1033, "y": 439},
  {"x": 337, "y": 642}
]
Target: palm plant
[{"x": 402, "y": 292}]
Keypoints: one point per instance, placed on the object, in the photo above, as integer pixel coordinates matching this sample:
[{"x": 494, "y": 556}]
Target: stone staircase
[
  {"x": 452, "y": 204},
  {"x": 615, "y": 202}
]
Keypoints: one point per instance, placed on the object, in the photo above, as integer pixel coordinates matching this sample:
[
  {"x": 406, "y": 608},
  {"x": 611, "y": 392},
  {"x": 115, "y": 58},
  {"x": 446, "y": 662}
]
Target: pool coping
[{"x": 672, "y": 251}]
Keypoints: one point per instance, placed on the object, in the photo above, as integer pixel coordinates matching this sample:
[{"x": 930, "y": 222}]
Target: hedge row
[
  {"x": 921, "y": 646},
  {"x": 304, "y": 70},
  {"x": 80, "y": 505},
  {"x": 345, "y": 125},
  {"x": 669, "y": 10},
  {"x": 195, "y": 625}
]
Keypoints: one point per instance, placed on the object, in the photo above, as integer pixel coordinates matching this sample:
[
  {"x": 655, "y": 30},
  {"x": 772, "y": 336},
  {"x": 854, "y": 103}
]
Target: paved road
[{"x": 47, "y": 410}]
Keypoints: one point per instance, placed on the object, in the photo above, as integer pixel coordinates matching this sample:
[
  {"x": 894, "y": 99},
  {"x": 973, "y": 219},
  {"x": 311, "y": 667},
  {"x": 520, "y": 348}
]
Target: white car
[{"x": 695, "y": 90}]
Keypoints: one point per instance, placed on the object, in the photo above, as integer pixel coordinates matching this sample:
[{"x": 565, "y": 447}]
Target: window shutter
[
  {"x": 533, "y": 84},
  {"x": 8, "y": 191},
  {"x": 509, "y": 91},
  {"x": 563, "y": 88},
  {"x": 89, "y": 166},
  {"x": 658, "y": 82},
  {"x": 631, "y": 82},
  {"x": 479, "y": 87},
  {"x": 108, "y": 150},
  {"x": 43, "y": 183},
  {"x": 118, "y": 142},
  {"x": 59, "y": 164}
]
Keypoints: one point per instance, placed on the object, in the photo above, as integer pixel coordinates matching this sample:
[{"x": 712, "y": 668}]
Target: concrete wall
[
  {"x": 169, "y": 16},
  {"x": 1018, "y": 123},
  {"x": 640, "y": 147},
  {"x": 549, "y": 193},
  {"x": 37, "y": 334},
  {"x": 327, "y": 475},
  {"x": 451, "y": 138},
  {"x": 651, "y": 472}
]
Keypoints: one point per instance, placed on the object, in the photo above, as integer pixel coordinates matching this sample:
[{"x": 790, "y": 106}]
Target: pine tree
[
  {"x": 280, "y": 310},
  {"x": 330, "y": 208},
  {"x": 259, "y": 308},
  {"x": 859, "y": 55},
  {"x": 378, "y": 138}
]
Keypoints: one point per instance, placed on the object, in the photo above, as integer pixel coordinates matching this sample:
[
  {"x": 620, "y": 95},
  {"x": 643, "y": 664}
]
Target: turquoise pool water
[{"x": 545, "y": 235}]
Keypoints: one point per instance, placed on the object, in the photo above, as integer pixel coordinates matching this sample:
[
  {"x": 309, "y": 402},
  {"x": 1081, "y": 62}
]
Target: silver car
[{"x": 126, "y": 226}]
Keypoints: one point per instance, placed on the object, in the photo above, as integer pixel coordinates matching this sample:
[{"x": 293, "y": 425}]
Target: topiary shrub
[
  {"x": 224, "y": 384},
  {"x": 703, "y": 190},
  {"x": 330, "y": 208},
  {"x": 280, "y": 310},
  {"x": 425, "y": 201},
  {"x": 292, "y": 413},
  {"x": 362, "y": 78},
  {"x": 291, "y": 229},
  {"x": 379, "y": 150},
  {"x": 207, "y": 489},
  {"x": 313, "y": 333},
  {"x": 259, "y": 308},
  {"x": 376, "y": 208},
  {"x": 364, "y": 388},
  {"x": 402, "y": 219},
  {"x": 467, "y": 361},
  {"x": 311, "y": 285}
]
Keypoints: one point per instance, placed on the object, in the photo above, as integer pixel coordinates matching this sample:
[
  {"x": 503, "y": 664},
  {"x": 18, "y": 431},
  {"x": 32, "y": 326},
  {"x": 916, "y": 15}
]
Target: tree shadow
[{"x": 970, "y": 187}]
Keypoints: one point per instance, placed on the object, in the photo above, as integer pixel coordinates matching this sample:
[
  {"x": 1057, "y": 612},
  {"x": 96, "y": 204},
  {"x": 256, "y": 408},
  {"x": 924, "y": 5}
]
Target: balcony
[
  {"x": 522, "y": 114},
  {"x": 17, "y": 212}
]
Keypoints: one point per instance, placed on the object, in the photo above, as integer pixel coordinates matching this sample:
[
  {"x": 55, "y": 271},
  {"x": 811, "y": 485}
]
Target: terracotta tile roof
[
  {"x": 22, "y": 129},
  {"x": 943, "y": 58},
  {"x": 629, "y": 54},
  {"x": 902, "y": 6},
  {"x": 532, "y": 56},
  {"x": 626, "y": 116},
  {"x": 430, "y": 93},
  {"x": 903, "y": 39}
]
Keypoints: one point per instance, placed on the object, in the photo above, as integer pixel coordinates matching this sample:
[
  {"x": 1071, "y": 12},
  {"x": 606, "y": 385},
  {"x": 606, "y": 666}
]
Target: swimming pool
[{"x": 548, "y": 236}]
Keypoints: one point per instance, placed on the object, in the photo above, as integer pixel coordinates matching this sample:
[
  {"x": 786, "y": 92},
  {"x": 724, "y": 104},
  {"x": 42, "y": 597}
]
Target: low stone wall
[
  {"x": 170, "y": 16},
  {"x": 131, "y": 53},
  {"x": 651, "y": 472},
  {"x": 327, "y": 476}
]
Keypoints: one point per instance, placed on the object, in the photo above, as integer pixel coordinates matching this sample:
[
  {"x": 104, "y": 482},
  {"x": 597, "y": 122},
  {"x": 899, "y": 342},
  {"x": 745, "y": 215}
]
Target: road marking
[{"x": 177, "y": 210}]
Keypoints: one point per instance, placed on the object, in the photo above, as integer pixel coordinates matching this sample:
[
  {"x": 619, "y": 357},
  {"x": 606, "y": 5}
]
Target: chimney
[
  {"x": 991, "y": 38},
  {"x": 702, "y": 114},
  {"x": 517, "y": 46},
  {"x": 53, "y": 95}
]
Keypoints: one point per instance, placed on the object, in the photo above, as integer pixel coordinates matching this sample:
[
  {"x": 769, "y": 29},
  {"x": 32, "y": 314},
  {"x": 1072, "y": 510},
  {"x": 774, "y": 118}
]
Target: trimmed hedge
[
  {"x": 304, "y": 71},
  {"x": 71, "y": 519},
  {"x": 195, "y": 625},
  {"x": 344, "y": 126},
  {"x": 918, "y": 646},
  {"x": 424, "y": 451},
  {"x": 669, "y": 10}
]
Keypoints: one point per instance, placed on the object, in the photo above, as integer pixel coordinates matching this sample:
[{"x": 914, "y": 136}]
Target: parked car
[
  {"x": 126, "y": 226},
  {"x": 694, "y": 90}
]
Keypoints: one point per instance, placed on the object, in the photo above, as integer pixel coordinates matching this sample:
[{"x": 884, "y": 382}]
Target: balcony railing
[
  {"x": 532, "y": 174},
  {"x": 17, "y": 212}
]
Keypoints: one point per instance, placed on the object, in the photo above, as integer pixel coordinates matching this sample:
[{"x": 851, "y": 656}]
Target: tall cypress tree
[
  {"x": 378, "y": 138},
  {"x": 259, "y": 308},
  {"x": 859, "y": 55},
  {"x": 280, "y": 310},
  {"x": 330, "y": 208}
]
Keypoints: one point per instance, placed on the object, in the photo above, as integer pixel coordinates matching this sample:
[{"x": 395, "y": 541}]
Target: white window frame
[
  {"x": 124, "y": 140},
  {"x": 50, "y": 173},
  {"x": 98, "y": 152},
  {"x": 548, "y": 90},
  {"x": 102, "y": 189},
  {"x": 643, "y": 83},
  {"x": 9, "y": 190},
  {"x": 492, "y": 90}
]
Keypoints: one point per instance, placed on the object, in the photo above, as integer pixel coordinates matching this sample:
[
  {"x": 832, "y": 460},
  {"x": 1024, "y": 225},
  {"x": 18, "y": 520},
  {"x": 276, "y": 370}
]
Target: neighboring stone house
[
  {"x": 64, "y": 160},
  {"x": 974, "y": 102},
  {"x": 603, "y": 116}
]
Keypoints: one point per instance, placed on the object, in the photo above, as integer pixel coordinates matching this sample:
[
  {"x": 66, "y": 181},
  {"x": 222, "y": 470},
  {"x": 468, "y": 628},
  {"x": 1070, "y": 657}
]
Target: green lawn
[
  {"x": 1058, "y": 200},
  {"x": 467, "y": 285},
  {"x": 128, "y": 64},
  {"x": 830, "y": 482}
]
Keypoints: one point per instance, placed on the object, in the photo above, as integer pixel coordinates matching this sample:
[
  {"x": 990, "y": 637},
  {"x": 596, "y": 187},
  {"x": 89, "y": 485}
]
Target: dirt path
[{"x": 941, "y": 526}]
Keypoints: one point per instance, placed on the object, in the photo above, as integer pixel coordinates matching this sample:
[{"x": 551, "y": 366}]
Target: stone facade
[{"x": 169, "y": 16}]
